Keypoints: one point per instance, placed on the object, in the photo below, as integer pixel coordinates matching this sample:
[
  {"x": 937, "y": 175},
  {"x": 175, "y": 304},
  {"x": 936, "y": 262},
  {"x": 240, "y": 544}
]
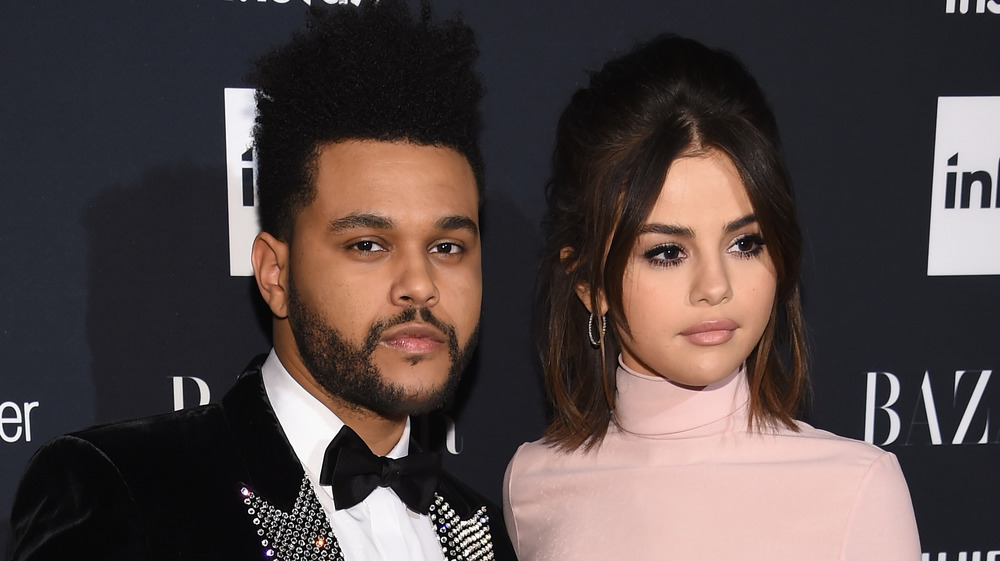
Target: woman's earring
[{"x": 596, "y": 343}]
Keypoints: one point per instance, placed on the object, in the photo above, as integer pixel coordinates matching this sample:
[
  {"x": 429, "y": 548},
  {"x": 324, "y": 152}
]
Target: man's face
[{"x": 385, "y": 280}]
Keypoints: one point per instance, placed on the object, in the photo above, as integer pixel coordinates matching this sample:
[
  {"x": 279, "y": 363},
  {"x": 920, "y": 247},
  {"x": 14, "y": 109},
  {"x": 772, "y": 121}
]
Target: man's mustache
[{"x": 406, "y": 316}]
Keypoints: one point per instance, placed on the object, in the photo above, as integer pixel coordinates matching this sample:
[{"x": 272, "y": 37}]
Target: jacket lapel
[
  {"x": 281, "y": 502},
  {"x": 279, "y": 498},
  {"x": 273, "y": 469},
  {"x": 463, "y": 524}
]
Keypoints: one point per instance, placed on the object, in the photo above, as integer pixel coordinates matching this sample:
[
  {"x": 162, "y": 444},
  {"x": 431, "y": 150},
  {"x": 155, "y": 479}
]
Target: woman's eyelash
[
  {"x": 749, "y": 245},
  {"x": 746, "y": 246},
  {"x": 664, "y": 255}
]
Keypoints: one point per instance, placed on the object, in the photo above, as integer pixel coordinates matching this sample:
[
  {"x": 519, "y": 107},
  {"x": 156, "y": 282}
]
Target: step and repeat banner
[{"x": 127, "y": 213}]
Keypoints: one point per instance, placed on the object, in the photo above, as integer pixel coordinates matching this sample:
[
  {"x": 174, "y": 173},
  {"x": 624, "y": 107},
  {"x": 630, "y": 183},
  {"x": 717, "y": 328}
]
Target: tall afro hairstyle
[{"x": 372, "y": 72}]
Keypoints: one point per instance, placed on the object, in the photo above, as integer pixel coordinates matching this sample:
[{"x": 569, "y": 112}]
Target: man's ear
[{"x": 270, "y": 267}]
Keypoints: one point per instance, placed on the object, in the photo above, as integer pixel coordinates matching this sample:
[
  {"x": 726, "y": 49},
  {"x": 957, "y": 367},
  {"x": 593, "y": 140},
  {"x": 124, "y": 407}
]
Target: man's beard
[{"x": 346, "y": 370}]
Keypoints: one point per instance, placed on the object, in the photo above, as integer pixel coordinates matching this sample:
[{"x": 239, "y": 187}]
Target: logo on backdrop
[
  {"x": 436, "y": 430},
  {"x": 241, "y": 175},
  {"x": 962, "y": 6},
  {"x": 964, "y": 556},
  {"x": 15, "y": 420},
  {"x": 197, "y": 388},
  {"x": 306, "y": 2},
  {"x": 933, "y": 409},
  {"x": 965, "y": 199}
]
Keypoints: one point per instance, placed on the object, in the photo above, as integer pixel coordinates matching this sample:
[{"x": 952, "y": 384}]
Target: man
[{"x": 370, "y": 180}]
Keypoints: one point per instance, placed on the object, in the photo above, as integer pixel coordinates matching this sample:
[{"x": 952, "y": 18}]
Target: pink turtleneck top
[{"x": 680, "y": 477}]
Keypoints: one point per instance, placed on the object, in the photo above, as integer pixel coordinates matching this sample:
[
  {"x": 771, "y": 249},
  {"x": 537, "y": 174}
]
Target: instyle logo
[
  {"x": 241, "y": 175},
  {"x": 962, "y": 6},
  {"x": 931, "y": 410},
  {"x": 15, "y": 420},
  {"x": 964, "y": 556},
  {"x": 965, "y": 198},
  {"x": 306, "y": 2},
  {"x": 204, "y": 395}
]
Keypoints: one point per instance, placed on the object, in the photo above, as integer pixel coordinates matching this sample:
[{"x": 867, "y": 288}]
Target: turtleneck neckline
[{"x": 654, "y": 407}]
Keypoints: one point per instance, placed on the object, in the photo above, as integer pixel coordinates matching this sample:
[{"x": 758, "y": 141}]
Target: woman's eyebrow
[
  {"x": 683, "y": 231},
  {"x": 668, "y": 229},
  {"x": 740, "y": 223}
]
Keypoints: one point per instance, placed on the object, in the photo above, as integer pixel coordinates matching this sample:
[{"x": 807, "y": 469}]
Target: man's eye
[
  {"x": 447, "y": 248},
  {"x": 367, "y": 246}
]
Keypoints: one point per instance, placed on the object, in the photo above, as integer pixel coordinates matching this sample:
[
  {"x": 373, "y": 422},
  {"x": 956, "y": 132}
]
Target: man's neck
[{"x": 380, "y": 433}]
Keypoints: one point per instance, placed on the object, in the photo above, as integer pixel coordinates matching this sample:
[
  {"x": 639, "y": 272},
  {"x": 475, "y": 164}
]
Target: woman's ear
[
  {"x": 583, "y": 293},
  {"x": 566, "y": 255},
  {"x": 270, "y": 267}
]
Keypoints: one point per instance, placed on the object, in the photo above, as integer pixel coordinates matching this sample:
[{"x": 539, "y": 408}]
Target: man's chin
[
  {"x": 409, "y": 391},
  {"x": 417, "y": 401},
  {"x": 403, "y": 407}
]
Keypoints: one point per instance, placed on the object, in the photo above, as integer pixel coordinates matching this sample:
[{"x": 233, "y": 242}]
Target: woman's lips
[
  {"x": 413, "y": 339},
  {"x": 711, "y": 332}
]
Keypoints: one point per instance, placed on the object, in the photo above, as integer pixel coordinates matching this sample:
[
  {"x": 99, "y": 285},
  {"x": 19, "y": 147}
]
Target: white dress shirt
[{"x": 380, "y": 528}]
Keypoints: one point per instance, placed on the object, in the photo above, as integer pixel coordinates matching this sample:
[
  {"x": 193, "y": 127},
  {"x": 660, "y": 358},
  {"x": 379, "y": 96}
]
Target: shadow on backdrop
[
  {"x": 500, "y": 401},
  {"x": 161, "y": 301}
]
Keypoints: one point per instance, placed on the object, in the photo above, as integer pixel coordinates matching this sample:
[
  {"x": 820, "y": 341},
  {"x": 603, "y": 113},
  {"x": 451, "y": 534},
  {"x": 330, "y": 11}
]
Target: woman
[{"x": 671, "y": 335}]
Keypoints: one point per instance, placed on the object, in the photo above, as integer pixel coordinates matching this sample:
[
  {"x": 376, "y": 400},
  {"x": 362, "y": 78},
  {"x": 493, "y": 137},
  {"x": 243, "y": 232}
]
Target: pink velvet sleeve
[{"x": 882, "y": 526}]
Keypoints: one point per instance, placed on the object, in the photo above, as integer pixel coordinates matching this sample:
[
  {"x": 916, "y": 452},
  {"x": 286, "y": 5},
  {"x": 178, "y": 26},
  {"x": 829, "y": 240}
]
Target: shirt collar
[{"x": 308, "y": 424}]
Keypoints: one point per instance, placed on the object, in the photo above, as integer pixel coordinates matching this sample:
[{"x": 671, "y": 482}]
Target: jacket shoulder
[{"x": 71, "y": 498}]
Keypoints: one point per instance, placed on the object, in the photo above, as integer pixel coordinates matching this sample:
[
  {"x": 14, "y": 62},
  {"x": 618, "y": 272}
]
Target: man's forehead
[{"x": 393, "y": 186}]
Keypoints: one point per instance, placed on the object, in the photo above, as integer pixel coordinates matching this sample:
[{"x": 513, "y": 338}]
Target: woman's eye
[
  {"x": 749, "y": 245},
  {"x": 367, "y": 246},
  {"x": 664, "y": 255},
  {"x": 447, "y": 248}
]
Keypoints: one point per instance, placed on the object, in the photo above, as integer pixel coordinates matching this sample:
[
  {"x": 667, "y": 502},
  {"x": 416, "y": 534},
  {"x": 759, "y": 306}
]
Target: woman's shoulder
[
  {"x": 544, "y": 457},
  {"x": 538, "y": 453},
  {"x": 824, "y": 444}
]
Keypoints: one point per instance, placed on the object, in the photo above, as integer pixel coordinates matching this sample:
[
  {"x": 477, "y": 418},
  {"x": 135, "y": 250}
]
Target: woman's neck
[{"x": 653, "y": 406}]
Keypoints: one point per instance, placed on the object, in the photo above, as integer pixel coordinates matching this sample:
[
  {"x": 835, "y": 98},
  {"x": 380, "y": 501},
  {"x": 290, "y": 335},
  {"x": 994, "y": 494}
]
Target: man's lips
[
  {"x": 413, "y": 338},
  {"x": 711, "y": 332}
]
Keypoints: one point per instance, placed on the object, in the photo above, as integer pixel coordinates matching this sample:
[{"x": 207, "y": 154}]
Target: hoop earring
[{"x": 590, "y": 330}]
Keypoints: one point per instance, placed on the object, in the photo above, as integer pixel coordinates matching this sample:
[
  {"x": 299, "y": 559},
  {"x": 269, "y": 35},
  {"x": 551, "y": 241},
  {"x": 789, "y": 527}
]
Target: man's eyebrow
[
  {"x": 380, "y": 222},
  {"x": 459, "y": 222},
  {"x": 360, "y": 220}
]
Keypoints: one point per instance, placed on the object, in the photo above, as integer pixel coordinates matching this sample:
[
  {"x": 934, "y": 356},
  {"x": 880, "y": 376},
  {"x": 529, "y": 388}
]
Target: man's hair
[
  {"x": 666, "y": 99},
  {"x": 368, "y": 73}
]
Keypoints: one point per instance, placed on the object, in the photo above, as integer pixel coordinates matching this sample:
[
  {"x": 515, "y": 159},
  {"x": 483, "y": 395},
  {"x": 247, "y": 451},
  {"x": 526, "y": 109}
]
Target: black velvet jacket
[{"x": 218, "y": 482}]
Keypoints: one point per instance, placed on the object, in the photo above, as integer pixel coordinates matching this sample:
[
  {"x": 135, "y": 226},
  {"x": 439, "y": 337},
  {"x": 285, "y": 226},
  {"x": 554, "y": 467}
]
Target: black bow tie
[{"x": 353, "y": 471}]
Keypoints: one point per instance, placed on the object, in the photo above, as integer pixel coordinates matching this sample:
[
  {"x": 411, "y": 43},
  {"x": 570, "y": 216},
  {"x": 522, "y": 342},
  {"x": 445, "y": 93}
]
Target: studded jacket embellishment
[
  {"x": 462, "y": 540},
  {"x": 304, "y": 534}
]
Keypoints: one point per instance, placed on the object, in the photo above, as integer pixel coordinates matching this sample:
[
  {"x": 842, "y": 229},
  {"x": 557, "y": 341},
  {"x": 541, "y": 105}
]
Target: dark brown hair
[{"x": 665, "y": 99}]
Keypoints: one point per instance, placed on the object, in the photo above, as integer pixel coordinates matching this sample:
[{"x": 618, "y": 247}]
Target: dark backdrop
[{"x": 114, "y": 235}]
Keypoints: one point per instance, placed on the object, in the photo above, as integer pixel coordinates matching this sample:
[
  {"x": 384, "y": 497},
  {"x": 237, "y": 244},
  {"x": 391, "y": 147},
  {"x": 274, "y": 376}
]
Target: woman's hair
[{"x": 668, "y": 98}]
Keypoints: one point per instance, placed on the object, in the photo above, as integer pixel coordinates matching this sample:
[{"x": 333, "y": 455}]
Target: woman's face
[{"x": 700, "y": 284}]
